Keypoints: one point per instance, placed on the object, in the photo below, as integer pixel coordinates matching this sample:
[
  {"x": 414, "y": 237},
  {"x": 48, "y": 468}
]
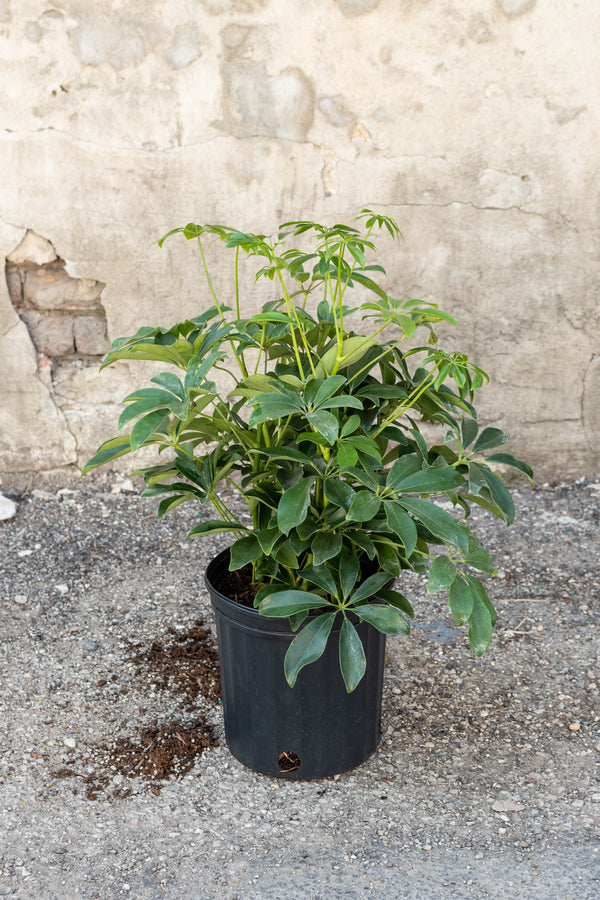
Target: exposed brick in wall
[{"x": 64, "y": 314}]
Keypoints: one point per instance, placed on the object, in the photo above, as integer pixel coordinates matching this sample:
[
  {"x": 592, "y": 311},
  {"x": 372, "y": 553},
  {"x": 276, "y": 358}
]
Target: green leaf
[
  {"x": 288, "y": 603},
  {"x": 395, "y": 598},
  {"x": 387, "y": 557},
  {"x": 252, "y": 386},
  {"x": 243, "y": 551},
  {"x": 145, "y": 401},
  {"x": 325, "y": 423},
  {"x": 109, "y": 450},
  {"x": 338, "y": 492},
  {"x": 370, "y": 284},
  {"x": 284, "y": 553},
  {"x": 469, "y": 429},
  {"x": 350, "y": 425},
  {"x": 170, "y": 503},
  {"x": 353, "y": 662},
  {"x": 482, "y": 560},
  {"x": 460, "y": 600},
  {"x": 365, "y": 445},
  {"x": 308, "y": 646},
  {"x": 342, "y": 401},
  {"x": 384, "y": 618},
  {"x": 327, "y": 389},
  {"x": 363, "y": 541},
  {"x": 488, "y": 438},
  {"x": 401, "y": 469},
  {"x": 145, "y": 427},
  {"x": 320, "y": 576},
  {"x": 500, "y": 494},
  {"x": 480, "y": 626},
  {"x": 476, "y": 479},
  {"x": 293, "y": 505},
  {"x": 364, "y": 507},
  {"x": 212, "y": 526},
  {"x": 437, "y": 521},
  {"x": 429, "y": 481},
  {"x": 507, "y": 459},
  {"x": 401, "y": 524},
  {"x": 272, "y": 406},
  {"x": 346, "y": 454},
  {"x": 283, "y": 452},
  {"x": 171, "y": 382},
  {"x": 272, "y": 316},
  {"x": 325, "y": 545},
  {"x": 481, "y": 592},
  {"x": 442, "y": 573},
  {"x": 349, "y": 572},
  {"x": 370, "y": 586}
]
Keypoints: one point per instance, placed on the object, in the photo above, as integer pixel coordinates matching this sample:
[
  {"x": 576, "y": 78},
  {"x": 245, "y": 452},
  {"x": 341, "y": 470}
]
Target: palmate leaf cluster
[{"x": 321, "y": 432}]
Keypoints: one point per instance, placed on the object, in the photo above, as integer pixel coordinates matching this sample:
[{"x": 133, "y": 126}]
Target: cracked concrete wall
[{"x": 474, "y": 123}]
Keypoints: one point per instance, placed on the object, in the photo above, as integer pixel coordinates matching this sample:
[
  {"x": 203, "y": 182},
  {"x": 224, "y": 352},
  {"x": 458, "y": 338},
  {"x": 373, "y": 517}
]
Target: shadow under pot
[{"x": 313, "y": 730}]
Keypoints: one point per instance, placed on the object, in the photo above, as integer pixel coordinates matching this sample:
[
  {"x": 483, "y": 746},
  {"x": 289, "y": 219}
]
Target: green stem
[
  {"x": 292, "y": 312},
  {"x": 408, "y": 404},
  {"x": 237, "y": 282},
  {"x": 223, "y": 510},
  {"x": 238, "y": 358}
]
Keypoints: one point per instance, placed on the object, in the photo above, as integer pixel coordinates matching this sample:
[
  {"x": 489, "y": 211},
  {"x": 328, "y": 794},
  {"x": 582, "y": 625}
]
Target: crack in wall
[{"x": 63, "y": 316}]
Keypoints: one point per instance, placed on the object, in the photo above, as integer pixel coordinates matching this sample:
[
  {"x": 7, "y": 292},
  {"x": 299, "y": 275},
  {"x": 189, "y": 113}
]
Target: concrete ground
[{"x": 486, "y": 784}]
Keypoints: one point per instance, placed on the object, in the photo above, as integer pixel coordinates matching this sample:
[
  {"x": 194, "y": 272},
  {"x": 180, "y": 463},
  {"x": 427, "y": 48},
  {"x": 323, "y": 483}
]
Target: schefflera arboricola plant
[{"x": 320, "y": 433}]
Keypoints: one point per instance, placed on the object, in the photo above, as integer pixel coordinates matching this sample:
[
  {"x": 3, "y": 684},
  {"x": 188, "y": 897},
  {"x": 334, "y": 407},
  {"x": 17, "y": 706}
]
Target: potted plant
[{"x": 325, "y": 433}]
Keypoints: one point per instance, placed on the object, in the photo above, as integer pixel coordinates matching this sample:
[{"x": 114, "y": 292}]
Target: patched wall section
[{"x": 64, "y": 314}]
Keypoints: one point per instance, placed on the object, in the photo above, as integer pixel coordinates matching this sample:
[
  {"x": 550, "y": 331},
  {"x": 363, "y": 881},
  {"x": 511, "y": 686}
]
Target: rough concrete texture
[
  {"x": 474, "y": 124},
  {"x": 486, "y": 785}
]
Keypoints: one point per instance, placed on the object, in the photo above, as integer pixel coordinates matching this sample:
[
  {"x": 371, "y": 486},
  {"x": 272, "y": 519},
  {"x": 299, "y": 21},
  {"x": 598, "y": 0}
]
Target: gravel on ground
[{"x": 115, "y": 779}]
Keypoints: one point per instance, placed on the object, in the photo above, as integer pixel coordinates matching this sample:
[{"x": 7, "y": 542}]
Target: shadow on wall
[{"x": 63, "y": 314}]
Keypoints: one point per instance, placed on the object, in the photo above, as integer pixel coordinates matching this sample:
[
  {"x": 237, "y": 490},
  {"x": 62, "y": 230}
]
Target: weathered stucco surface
[{"x": 474, "y": 123}]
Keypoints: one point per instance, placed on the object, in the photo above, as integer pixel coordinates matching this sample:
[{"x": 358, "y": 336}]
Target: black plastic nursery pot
[{"x": 313, "y": 730}]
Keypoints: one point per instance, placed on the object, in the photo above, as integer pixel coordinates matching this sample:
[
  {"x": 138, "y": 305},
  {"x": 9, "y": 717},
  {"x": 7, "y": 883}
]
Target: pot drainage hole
[{"x": 288, "y": 761}]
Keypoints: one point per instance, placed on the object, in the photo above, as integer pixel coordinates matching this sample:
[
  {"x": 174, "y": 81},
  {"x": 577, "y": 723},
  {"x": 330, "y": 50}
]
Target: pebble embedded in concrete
[{"x": 8, "y": 508}]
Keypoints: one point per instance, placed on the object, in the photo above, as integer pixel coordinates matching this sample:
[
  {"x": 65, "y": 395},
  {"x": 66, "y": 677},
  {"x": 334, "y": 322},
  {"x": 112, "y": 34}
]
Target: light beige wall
[{"x": 473, "y": 122}]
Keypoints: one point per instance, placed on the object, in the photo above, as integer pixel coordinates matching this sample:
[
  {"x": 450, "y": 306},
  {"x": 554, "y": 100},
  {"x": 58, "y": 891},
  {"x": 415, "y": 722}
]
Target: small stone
[
  {"x": 595, "y": 798},
  {"x": 574, "y": 726},
  {"x": 118, "y": 779},
  {"x": 504, "y": 806},
  {"x": 71, "y": 743},
  {"x": 478, "y": 856},
  {"x": 8, "y": 508},
  {"x": 90, "y": 644},
  {"x": 21, "y": 599},
  {"x": 62, "y": 588},
  {"x": 41, "y": 495},
  {"x": 23, "y": 553}
]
